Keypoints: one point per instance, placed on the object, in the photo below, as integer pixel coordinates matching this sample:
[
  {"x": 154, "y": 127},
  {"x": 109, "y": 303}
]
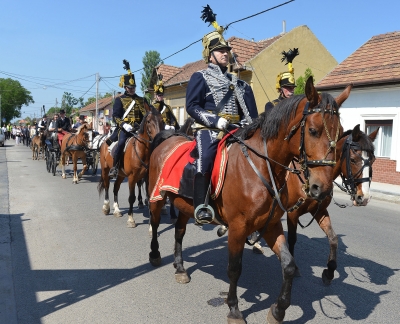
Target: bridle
[
  {"x": 303, "y": 161},
  {"x": 352, "y": 180}
]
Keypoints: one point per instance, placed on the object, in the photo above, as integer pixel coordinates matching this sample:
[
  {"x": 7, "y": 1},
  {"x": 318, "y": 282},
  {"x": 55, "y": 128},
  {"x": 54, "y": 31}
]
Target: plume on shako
[
  {"x": 213, "y": 40},
  {"x": 287, "y": 78},
  {"x": 159, "y": 87},
  {"x": 127, "y": 79}
]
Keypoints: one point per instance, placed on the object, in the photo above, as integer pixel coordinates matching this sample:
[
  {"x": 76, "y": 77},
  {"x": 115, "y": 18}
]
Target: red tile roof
[
  {"x": 101, "y": 104},
  {"x": 377, "y": 61},
  {"x": 168, "y": 71},
  {"x": 186, "y": 72}
]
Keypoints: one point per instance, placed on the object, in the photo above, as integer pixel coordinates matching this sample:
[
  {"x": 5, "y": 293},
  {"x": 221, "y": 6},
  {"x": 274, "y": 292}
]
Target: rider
[
  {"x": 128, "y": 112},
  {"x": 285, "y": 82},
  {"x": 63, "y": 126},
  {"x": 165, "y": 110},
  {"x": 42, "y": 124},
  {"x": 214, "y": 98},
  {"x": 80, "y": 122}
]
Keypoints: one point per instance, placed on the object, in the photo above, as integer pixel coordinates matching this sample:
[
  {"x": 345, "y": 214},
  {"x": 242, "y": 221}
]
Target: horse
[
  {"x": 301, "y": 126},
  {"x": 135, "y": 163},
  {"x": 38, "y": 145},
  {"x": 75, "y": 145},
  {"x": 354, "y": 159}
]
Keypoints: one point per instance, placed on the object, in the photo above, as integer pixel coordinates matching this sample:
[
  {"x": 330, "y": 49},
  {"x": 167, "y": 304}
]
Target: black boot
[
  {"x": 113, "y": 174},
  {"x": 203, "y": 214}
]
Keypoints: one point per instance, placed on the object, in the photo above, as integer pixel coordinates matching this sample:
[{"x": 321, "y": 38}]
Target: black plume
[
  {"x": 160, "y": 76},
  {"x": 126, "y": 65},
  {"x": 290, "y": 55},
  {"x": 207, "y": 15}
]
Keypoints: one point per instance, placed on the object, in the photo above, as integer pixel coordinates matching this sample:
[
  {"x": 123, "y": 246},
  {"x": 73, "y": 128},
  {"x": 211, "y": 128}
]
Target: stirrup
[
  {"x": 200, "y": 209},
  {"x": 113, "y": 173}
]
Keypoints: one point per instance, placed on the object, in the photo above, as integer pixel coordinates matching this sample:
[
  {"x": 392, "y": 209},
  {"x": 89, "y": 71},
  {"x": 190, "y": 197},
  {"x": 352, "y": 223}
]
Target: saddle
[{"x": 179, "y": 169}]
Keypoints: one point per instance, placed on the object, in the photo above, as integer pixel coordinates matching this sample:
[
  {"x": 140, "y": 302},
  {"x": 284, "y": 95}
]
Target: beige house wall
[
  {"x": 267, "y": 64},
  {"x": 175, "y": 96}
]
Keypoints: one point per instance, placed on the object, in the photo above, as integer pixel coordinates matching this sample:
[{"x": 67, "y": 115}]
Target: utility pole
[
  {"x": 97, "y": 102},
  {"x": 56, "y": 105}
]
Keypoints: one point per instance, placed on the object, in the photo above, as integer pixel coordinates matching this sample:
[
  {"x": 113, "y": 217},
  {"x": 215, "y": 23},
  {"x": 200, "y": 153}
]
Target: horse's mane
[
  {"x": 153, "y": 111},
  {"x": 270, "y": 122}
]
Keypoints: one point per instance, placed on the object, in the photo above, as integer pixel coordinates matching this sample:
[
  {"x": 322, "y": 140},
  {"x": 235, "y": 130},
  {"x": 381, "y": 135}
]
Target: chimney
[{"x": 283, "y": 27}]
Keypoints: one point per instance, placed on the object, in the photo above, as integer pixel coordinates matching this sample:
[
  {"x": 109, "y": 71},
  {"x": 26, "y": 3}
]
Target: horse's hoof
[
  {"x": 222, "y": 230},
  {"x": 257, "y": 249},
  {"x": 117, "y": 214},
  {"x": 182, "y": 277},
  {"x": 106, "y": 211},
  {"x": 140, "y": 205},
  {"x": 271, "y": 319},
  {"x": 236, "y": 321},
  {"x": 155, "y": 262},
  {"x": 64, "y": 176},
  {"x": 131, "y": 224},
  {"x": 325, "y": 278}
]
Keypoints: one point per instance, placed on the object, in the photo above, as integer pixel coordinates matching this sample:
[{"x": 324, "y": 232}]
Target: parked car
[{"x": 2, "y": 137}]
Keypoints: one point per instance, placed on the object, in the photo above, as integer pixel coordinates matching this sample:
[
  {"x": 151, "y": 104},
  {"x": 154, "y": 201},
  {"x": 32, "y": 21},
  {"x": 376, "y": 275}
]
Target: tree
[
  {"x": 93, "y": 99},
  {"x": 68, "y": 101},
  {"x": 13, "y": 97},
  {"x": 301, "y": 81},
  {"x": 150, "y": 60}
]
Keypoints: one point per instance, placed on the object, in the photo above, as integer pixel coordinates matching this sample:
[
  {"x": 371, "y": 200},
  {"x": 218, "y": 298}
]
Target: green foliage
[
  {"x": 301, "y": 81},
  {"x": 150, "y": 60},
  {"x": 13, "y": 97}
]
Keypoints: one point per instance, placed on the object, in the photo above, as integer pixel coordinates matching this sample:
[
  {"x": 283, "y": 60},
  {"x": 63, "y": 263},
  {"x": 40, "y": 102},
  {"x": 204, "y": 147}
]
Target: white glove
[
  {"x": 127, "y": 127},
  {"x": 169, "y": 127},
  {"x": 222, "y": 123}
]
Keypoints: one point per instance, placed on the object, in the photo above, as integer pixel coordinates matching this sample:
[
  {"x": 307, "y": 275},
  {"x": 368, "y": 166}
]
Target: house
[
  {"x": 374, "y": 71},
  {"x": 257, "y": 63},
  {"x": 104, "y": 112}
]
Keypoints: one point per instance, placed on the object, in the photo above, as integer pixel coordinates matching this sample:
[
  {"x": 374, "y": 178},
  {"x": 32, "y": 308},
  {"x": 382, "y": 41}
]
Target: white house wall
[{"x": 373, "y": 104}]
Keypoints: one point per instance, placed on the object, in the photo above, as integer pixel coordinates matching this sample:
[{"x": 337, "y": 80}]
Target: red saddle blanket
[{"x": 174, "y": 163}]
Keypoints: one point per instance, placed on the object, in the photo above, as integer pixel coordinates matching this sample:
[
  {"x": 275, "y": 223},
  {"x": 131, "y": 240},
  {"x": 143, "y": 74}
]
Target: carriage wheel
[
  {"x": 54, "y": 163},
  {"x": 95, "y": 162}
]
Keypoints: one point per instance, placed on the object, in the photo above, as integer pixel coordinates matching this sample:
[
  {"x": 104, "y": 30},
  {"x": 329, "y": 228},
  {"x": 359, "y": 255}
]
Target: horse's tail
[{"x": 100, "y": 185}]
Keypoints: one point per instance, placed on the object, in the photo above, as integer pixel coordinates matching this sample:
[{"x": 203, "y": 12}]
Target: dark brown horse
[
  {"x": 74, "y": 146},
  {"x": 255, "y": 173},
  {"x": 135, "y": 162},
  {"x": 354, "y": 159},
  {"x": 38, "y": 146}
]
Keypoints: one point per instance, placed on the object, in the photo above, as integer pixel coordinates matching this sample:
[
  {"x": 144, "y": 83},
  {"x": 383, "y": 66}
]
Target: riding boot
[
  {"x": 113, "y": 174},
  {"x": 203, "y": 212}
]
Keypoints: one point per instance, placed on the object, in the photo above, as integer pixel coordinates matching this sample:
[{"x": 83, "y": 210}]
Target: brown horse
[
  {"x": 354, "y": 159},
  {"x": 135, "y": 162},
  {"x": 303, "y": 126},
  {"x": 74, "y": 146},
  {"x": 38, "y": 146}
]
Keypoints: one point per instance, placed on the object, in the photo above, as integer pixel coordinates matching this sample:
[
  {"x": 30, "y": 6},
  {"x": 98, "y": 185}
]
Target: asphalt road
[{"x": 72, "y": 264}]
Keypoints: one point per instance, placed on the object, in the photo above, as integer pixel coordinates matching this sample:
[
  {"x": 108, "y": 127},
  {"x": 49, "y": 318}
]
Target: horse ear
[
  {"x": 344, "y": 95},
  {"x": 356, "y": 133},
  {"x": 311, "y": 92},
  {"x": 373, "y": 135},
  {"x": 146, "y": 106}
]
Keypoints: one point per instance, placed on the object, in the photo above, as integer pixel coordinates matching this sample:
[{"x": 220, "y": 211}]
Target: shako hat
[
  {"x": 127, "y": 80},
  {"x": 159, "y": 86},
  {"x": 286, "y": 79},
  {"x": 213, "y": 40}
]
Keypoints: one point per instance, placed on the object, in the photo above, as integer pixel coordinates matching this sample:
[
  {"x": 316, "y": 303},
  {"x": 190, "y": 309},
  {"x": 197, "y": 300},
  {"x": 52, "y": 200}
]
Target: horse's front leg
[
  {"x": 276, "y": 240},
  {"x": 132, "y": 184},
  {"x": 75, "y": 167},
  {"x": 292, "y": 221},
  {"x": 85, "y": 166},
  {"x": 236, "y": 241},
  {"x": 140, "y": 198},
  {"x": 324, "y": 221},
  {"x": 62, "y": 162},
  {"x": 106, "y": 183},
  {"x": 181, "y": 275},
  {"x": 117, "y": 185},
  {"x": 155, "y": 216}
]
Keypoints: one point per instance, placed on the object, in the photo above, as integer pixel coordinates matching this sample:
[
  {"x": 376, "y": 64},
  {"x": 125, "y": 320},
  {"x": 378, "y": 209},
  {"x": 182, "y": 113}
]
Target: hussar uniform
[
  {"x": 127, "y": 110},
  {"x": 164, "y": 109},
  {"x": 284, "y": 78},
  {"x": 213, "y": 94}
]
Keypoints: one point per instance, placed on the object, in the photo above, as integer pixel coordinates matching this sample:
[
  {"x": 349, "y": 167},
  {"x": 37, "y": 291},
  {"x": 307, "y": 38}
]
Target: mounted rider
[
  {"x": 165, "y": 110},
  {"x": 63, "y": 126},
  {"x": 216, "y": 99},
  {"x": 42, "y": 125},
  {"x": 128, "y": 113},
  {"x": 285, "y": 82}
]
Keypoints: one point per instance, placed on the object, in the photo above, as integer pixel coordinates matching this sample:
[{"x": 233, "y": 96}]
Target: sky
[{"x": 52, "y": 47}]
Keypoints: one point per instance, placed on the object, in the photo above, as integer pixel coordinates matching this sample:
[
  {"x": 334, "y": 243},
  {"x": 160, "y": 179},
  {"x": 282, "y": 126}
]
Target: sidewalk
[{"x": 380, "y": 191}]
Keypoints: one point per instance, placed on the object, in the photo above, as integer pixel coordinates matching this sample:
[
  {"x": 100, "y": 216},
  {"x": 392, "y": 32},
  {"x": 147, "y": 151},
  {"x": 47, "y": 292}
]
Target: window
[{"x": 383, "y": 141}]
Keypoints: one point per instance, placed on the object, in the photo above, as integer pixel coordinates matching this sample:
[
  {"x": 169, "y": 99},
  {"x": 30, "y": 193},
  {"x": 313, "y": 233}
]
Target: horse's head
[
  {"x": 319, "y": 132},
  {"x": 152, "y": 122},
  {"x": 357, "y": 157},
  {"x": 83, "y": 135}
]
